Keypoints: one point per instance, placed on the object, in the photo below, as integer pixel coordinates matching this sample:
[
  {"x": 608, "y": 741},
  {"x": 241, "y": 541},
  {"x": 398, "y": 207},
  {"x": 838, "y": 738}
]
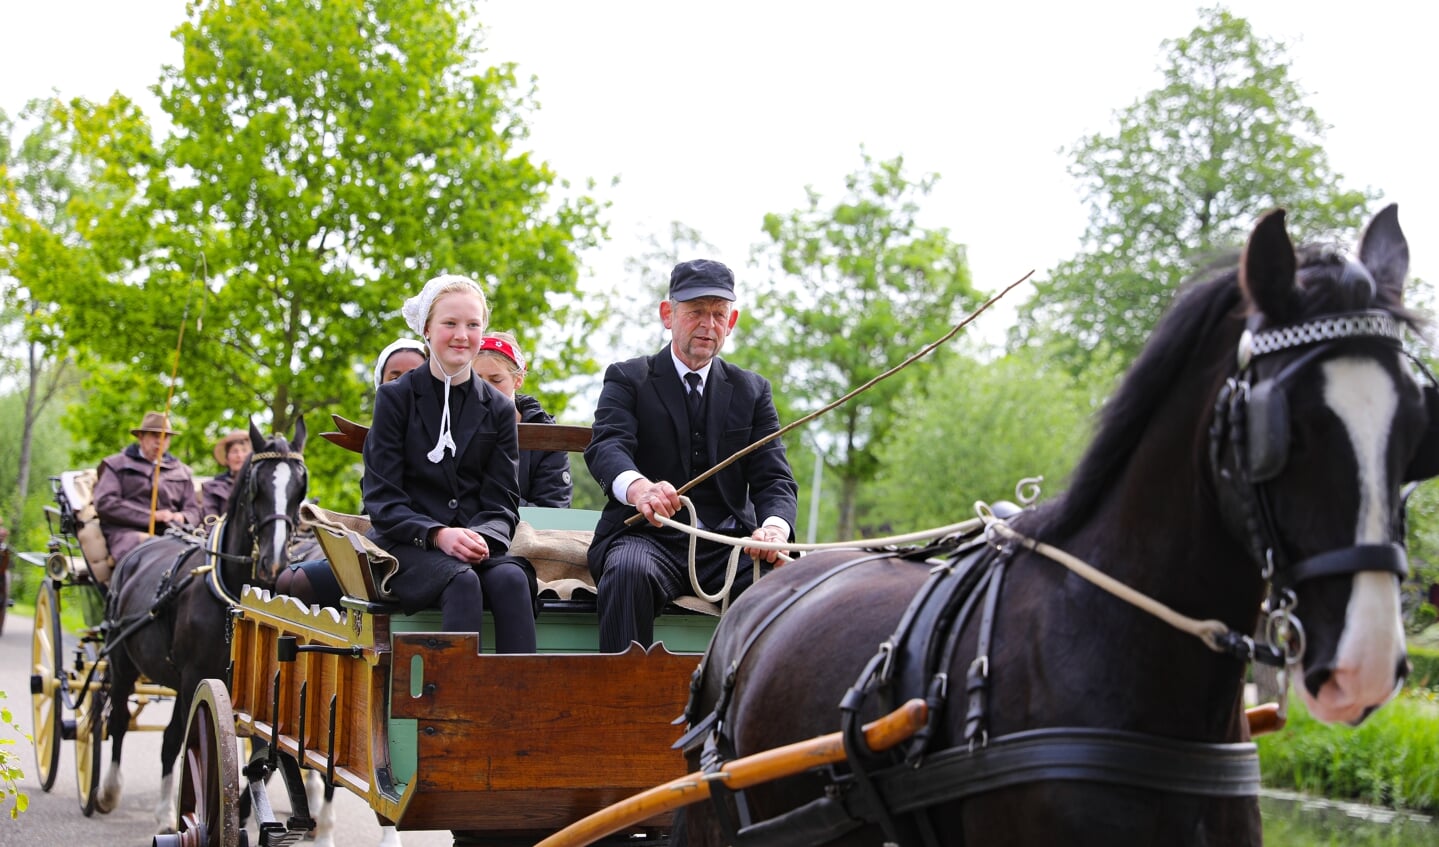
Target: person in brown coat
[
  {"x": 230, "y": 453},
  {"x": 125, "y": 482}
]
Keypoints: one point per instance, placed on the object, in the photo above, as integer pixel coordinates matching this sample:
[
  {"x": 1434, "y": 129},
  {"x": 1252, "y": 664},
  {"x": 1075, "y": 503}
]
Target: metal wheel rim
[
  {"x": 46, "y": 709},
  {"x": 89, "y": 733},
  {"x": 208, "y": 805}
]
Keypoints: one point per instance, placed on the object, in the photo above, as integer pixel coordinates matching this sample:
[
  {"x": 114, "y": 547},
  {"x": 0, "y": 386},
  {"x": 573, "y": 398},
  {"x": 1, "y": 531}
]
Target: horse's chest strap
[{"x": 1106, "y": 756}]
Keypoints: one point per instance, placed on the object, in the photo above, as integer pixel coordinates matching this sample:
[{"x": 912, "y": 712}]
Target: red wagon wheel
[{"x": 210, "y": 774}]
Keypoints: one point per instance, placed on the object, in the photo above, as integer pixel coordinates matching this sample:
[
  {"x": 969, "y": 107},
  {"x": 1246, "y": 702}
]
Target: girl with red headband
[{"x": 544, "y": 474}]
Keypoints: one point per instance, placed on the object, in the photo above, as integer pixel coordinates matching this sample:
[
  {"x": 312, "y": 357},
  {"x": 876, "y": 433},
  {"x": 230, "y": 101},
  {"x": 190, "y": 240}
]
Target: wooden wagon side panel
[
  {"x": 302, "y": 724},
  {"x": 531, "y": 743}
]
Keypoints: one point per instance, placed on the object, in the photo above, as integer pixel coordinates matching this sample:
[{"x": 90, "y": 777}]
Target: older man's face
[{"x": 154, "y": 444}]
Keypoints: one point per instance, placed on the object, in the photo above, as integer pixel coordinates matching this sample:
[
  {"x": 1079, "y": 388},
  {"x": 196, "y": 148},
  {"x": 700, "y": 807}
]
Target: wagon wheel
[
  {"x": 46, "y": 678},
  {"x": 209, "y": 803},
  {"x": 89, "y": 732}
]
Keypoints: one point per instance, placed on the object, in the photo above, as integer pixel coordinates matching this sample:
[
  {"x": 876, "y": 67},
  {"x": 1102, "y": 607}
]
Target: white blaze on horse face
[
  {"x": 1363, "y": 395},
  {"x": 281, "y": 482}
]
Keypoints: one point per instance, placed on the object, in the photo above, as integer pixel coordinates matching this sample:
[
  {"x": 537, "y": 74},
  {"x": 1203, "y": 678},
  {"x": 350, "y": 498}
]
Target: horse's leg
[
  {"x": 166, "y": 814},
  {"x": 322, "y": 806},
  {"x": 123, "y": 675}
]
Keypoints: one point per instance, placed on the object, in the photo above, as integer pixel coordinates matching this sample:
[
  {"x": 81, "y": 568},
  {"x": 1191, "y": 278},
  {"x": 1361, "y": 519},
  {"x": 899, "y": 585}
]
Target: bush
[
  {"x": 1425, "y": 670},
  {"x": 1392, "y": 759}
]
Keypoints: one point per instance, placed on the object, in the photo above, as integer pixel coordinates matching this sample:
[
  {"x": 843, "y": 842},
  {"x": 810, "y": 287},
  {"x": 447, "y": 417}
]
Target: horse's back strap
[{"x": 1106, "y": 756}]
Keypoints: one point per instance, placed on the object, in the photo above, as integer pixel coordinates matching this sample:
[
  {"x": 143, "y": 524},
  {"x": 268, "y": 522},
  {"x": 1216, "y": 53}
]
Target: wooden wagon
[{"x": 431, "y": 732}]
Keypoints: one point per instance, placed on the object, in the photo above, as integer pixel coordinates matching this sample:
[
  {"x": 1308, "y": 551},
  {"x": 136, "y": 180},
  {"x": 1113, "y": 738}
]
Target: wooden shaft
[{"x": 763, "y": 767}]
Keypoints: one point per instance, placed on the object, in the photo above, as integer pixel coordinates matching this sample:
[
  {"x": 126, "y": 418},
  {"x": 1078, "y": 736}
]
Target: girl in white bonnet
[{"x": 440, "y": 483}]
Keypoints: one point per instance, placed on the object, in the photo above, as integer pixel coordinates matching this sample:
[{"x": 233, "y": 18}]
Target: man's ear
[
  {"x": 733, "y": 318},
  {"x": 666, "y": 313}
]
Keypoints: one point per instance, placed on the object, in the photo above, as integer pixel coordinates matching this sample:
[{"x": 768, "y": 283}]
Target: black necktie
[{"x": 693, "y": 398}]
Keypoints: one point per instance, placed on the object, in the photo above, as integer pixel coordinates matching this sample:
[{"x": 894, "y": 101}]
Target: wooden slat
[{"x": 571, "y": 439}]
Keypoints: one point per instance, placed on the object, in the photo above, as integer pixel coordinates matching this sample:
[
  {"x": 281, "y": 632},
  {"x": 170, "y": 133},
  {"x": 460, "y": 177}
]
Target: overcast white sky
[{"x": 716, "y": 113}]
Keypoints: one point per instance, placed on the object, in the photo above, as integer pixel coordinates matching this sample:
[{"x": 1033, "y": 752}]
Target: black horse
[
  {"x": 186, "y": 640},
  {"x": 1262, "y": 438}
]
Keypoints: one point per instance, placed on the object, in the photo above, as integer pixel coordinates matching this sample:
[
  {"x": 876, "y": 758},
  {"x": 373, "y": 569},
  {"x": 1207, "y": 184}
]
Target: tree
[
  {"x": 1184, "y": 175},
  {"x": 39, "y": 240},
  {"x": 854, "y": 289},
  {"x": 647, "y": 282},
  {"x": 326, "y": 159},
  {"x": 981, "y": 429}
]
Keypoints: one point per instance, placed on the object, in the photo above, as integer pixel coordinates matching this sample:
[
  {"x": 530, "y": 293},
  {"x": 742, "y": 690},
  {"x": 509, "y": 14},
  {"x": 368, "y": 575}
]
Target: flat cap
[{"x": 701, "y": 278}]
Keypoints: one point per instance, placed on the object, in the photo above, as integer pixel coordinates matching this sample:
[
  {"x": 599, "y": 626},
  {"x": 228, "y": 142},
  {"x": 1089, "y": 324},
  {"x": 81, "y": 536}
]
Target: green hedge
[
  {"x": 1391, "y": 759},
  {"x": 1425, "y": 672}
]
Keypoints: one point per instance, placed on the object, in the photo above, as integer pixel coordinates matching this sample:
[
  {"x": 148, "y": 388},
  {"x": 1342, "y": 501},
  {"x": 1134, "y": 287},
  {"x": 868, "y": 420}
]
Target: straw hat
[
  {"x": 222, "y": 447},
  {"x": 153, "y": 422}
]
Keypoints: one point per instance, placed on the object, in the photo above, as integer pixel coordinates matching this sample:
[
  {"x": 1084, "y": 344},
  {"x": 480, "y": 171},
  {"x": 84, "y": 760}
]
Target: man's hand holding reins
[
  {"x": 771, "y": 534},
  {"x": 654, "y": 498}
]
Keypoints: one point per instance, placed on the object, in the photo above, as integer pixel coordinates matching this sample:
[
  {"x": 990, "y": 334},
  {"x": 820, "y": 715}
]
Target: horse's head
[
  {"x": 1313, "y": 441},
  {"x": 265, "y": 506}
]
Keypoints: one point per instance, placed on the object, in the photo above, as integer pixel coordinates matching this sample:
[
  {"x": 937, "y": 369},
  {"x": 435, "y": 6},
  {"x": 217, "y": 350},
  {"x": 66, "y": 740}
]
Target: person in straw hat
[
  {"x": 125, "y": 482},
  {"x": 230, "y": 454}
]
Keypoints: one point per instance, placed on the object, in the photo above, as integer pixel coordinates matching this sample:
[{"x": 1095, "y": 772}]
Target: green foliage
[
  {"x": 1391, "y": 759},
  {"x": 1425, "y": 670},
  {"x": 10, "y": 770},
  {"x": 1185, "y": 175},
  {"x": 854, "y": 289},
  {"x": 326, "y": 159},
  {"x": 980, "y": 429}
]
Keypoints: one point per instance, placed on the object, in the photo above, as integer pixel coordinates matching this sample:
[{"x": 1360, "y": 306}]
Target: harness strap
[
  {"x": 1386, "y": 558},
  {"x": 1082, "y": 754},
  {"x": 976, "y": 717},
  {"x": 1066, "y": 754}
]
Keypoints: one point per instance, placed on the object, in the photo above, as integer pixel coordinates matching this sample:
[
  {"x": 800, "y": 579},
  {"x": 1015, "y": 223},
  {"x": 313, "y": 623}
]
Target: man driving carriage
[
  {"x": 126, "y": 483},
  {"x": 652, "y": 433}
]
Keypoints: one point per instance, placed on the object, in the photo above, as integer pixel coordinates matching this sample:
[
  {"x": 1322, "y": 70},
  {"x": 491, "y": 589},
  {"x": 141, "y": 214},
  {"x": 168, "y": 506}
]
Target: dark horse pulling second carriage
[{"x": 1262, "y": 441}]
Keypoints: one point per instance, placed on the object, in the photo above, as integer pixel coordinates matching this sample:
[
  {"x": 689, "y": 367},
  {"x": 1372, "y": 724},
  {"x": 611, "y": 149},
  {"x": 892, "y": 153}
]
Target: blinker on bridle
[{"x": 1253, "y": 414}]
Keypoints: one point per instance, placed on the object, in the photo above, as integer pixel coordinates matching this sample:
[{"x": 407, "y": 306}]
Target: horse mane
[{"x": 1199, "y": 307}]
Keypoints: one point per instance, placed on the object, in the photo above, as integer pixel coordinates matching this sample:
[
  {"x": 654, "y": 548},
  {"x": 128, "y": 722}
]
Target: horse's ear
[
  {"x": 1267, "y": 268},
  {"x": 257, "y": 441},
  {"x": 298, "y": 442},
  {"x": 1384, "y": 252}
]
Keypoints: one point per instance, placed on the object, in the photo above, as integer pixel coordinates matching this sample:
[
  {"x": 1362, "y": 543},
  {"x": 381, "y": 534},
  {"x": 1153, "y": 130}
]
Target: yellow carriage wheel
[
  {"x": 47, "y": 707},
  {"x": 89, "y": 733}
]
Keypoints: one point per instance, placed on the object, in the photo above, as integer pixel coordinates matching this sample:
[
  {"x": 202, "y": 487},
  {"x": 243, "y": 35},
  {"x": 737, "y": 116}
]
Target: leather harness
[{"x": 895, "y": 790}]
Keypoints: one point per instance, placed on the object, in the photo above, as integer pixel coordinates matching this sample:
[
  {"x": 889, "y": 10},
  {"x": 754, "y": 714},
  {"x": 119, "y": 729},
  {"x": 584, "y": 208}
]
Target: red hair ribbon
[{"x": 503, "y": 347}]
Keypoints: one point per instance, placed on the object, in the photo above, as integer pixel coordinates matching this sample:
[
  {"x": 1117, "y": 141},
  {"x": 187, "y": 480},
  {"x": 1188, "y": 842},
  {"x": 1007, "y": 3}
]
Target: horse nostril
[{"x": 1315, "y": 679}]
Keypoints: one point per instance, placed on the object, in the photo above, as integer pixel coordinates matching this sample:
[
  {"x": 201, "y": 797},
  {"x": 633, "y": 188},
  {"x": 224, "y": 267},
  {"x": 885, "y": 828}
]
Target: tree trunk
[{"x": 848, "y": 486}]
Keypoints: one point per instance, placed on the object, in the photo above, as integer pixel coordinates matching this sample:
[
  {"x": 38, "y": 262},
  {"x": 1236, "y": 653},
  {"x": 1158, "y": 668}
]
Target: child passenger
[
  {"x": 544, "y": 474},
  {"x": 440, "y": 482}
]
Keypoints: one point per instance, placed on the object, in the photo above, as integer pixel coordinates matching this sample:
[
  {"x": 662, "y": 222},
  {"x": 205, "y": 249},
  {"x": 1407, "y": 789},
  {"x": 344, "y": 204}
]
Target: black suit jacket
[
  {"x": 641, "y": 423},
  {"x": 406, "y": 495}
]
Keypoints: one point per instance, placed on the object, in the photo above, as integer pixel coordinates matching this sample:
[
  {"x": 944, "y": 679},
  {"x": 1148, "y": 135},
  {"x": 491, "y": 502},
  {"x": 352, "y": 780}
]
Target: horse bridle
[
  {"x": 1251, "y": 415},
  {"x": 254, "y": 526},
  {"x": 271, "y": 455}
]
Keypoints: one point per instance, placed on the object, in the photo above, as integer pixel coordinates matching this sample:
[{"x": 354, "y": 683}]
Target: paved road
[{"x": 55, "y": 820}]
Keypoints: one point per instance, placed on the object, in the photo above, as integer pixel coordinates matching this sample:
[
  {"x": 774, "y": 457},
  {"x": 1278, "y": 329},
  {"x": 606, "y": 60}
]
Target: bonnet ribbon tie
[{"x": 445, "y": 441}]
